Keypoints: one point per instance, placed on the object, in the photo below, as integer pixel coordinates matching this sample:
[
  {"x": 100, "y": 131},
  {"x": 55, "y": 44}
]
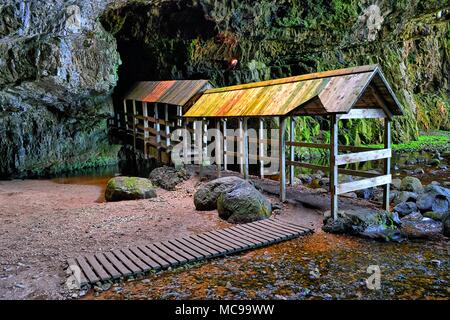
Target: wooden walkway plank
[
  {"x": 256, "y": 233},
  {"x": 258, "y": 241},
  {"x": 238, "y": 243},
  {"x": 83, "y": 280},
  {"x": 117, "y": 264},
  {"x": 150, "y": 262},
  {"x": 162, "y": 254},
  {"x": 130, "y": 265},
  {"x": 136, "y": 260},
  {"x": 98, "y": 269},
  {"x": 90, "y": 275},
  {"x": 251, "y": 241},
  {"x": 182, "y": 253},
  {"x": 273, "y": 226},
  {"x": 289, "y": 226},
  {"x": 271, "y": 231},
  {"x": 230, "y": 233},
  {"x": 189, "y": 248},
  {"x": 218, "y": 241},
  {"x": 163, "y": 263},
  {"x": 108, "y": 266},
  {"x": 206, "y": 245}
]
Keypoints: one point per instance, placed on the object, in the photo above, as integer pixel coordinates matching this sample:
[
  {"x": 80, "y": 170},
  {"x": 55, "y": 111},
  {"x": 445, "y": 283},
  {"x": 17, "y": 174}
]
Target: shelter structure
[
  {"x": 153, "y": 109},
  {"x": 351, "y": 93}
]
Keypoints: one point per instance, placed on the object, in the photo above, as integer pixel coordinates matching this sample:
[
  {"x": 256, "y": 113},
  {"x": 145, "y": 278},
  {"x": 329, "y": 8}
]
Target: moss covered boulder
[
  {"x": 243, "y": 204},
  {"x": 411, "y": 184},
  {"x": 129, "y": 188}
]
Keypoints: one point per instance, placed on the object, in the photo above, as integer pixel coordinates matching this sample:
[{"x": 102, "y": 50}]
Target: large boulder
[
  {"x": 434, "y": 198},
  {"x": 420, "y": 229},
  {"x": 129, "y": 188},
  {"x": 205, "y": 198},
  {"x": 168, "y": 177},
  {"x": 411, "y": 184},
  {"x": 243, "y": 204},
  {"x": 236, "y": 200}
]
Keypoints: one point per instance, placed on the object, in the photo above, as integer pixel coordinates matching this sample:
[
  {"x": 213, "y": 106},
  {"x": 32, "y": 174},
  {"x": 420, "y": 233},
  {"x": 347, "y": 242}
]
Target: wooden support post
[
  {"x": 291, "y": 150},
  {"x": 179, "y": 116},
  {"x": 282, "y": 158},
  {"x": 134, "y": 125},
  {"x": 241, "y": 146},
  {"x": 261, "y": 147},
  {"x": 245, "y": 148},
  {"x": 225, "y": 145},
  {"x": 387, "y": 162},
  {"x": 125, "y": 116},
  {"x": 145, "y": 114},
  {"x": 218, "y": 148},
  {"x": 167, "y": 126},
  {"x": 186, "y": 145},
  {"x": 333, "y": 165},
  {"x": 158, "y": 133}
]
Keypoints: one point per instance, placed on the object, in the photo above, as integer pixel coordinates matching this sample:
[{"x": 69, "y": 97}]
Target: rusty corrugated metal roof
[
  {"x": 319, "y": 93},
  {"x": 175, "y": 92}
]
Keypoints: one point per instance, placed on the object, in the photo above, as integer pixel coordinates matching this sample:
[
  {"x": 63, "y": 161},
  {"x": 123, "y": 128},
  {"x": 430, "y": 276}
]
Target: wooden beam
[
  {"x": 282, "y": 156},
  {"x": 245, "y": 151},
  {"x": 363, "y": 114},
  {"x": 327, "y": 146},
  {"x": 167, "y": 126},
  {"x": 125, "y": 113},
  {"x": 387, "y": 162},
  {"x": 380, "y": 100},
  {"x": 134, "y": 124},
  {"x": 363, "y": 156},
  {"x": 363, "y": 184},
  {"x": 291, "y": 150},
  {"x": 348, "y": 172},
  {"x": 333, "y": 165}
]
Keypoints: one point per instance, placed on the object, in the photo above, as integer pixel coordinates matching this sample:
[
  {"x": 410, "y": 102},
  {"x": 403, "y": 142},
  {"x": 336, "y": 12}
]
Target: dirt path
[{"x": 43, "y": 222}]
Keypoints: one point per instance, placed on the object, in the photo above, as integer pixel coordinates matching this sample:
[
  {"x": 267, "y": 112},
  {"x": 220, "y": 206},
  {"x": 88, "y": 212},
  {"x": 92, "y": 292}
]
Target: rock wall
[{"x": 59, "y": 61}]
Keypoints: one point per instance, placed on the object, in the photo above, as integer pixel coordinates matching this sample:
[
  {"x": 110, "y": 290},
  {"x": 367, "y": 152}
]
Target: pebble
[
  {"x": 146, "y": 281},
  {"x": 20, "y": 286},
  {"x": 436, "y": 262}
]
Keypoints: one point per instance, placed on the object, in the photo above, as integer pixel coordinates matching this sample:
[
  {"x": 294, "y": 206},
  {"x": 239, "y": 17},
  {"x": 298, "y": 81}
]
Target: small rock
[
  {"x": 436, "y": 262},
  {"x": 434, "y": 162},
  {"x": 395, "y": 183},
  {"x": 405, "y": 196},
  {"x": 405, "y": 208},
  {"x": 146, "y": 281},
  {"x": 20, "y": 286},
  {"x": 435, "y": 215},
  {"x": 419, "y": 171},
  {"x": 411, "y": 184}
]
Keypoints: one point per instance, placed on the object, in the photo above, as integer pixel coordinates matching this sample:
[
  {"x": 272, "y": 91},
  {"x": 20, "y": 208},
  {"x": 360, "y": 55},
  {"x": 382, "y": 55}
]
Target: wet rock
[
  {"x": 415, "y": 216},
  {"x": 366, "y": 194},
  {"x": 395, "y": 184},
  {"x": 366, "y": 222},
  {"x": 405, "y": 208},
  {"x": 411, "y": 184},
  {"x": 168, "y": 177},
  {"x": 305, "y": 178},
  {"x": 434, "y": 162},
  {"x": 205, "y": 198},
  {"x": 446, "y": 225},
  {"x": 243, "y": 204},
  {"x": 434, "y": 198},
  {"x": 421, "y": 229},
  {"x": 129, "y": 188},
  {"x": 435, "y": 215},
  {"x": 419, "y": 171},
  {"x": 405, "y": 196}
]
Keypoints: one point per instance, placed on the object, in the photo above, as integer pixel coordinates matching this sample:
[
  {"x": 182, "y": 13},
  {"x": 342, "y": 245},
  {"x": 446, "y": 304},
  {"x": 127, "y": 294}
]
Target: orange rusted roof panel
[
  {"x": 335, "y": 91},
  {"x": 175, "y": 92}
]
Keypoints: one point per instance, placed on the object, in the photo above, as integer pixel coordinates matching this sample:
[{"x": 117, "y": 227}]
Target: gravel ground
[{"x": 42, "y": 223}]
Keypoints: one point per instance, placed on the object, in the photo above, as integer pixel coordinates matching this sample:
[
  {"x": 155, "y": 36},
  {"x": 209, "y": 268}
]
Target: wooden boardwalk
[{"x": 137, "y": 260}]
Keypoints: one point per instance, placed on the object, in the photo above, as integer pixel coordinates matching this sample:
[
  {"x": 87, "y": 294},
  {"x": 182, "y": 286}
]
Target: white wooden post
[
  {"x": 333, "y": 165},
  {"x": 245, "y": 148},
  {"x": 261, "y": 147},
  {"x": 134, "y": 125},
  {"x": 291, "y": 150},
  {"x": 387, "y": 162},
  {"x": 241, "y": 146},
  {"x": 225, "y": 147},
  {"x": 218, "y": 148},
  {"x": 158, "y": 132},
  {"x": 282, "y": 158},
  {"x": 186, "y": 144},
  {"x": 167, "y": 127},
  {"x": 125, "y": 115},
  {"x": 145, "y": 114}
]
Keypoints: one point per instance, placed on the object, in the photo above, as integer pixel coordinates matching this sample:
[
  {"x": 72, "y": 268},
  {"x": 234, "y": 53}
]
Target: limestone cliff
[{"x": 59, "y": 61}]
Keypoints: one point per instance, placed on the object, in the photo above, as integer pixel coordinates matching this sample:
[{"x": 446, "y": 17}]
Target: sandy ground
[{"x": 44, "y": 222}]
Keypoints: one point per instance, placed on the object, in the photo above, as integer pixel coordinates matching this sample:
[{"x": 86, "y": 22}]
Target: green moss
[{"x": 439, "y": 140}]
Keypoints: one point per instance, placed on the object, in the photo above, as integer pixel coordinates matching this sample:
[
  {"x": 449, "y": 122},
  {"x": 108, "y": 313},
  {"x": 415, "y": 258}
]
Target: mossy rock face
[{"x": 129, "y": 188}]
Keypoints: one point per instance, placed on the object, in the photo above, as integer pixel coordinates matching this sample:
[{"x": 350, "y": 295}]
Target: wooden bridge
[{"x": 138, "y": 260}]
